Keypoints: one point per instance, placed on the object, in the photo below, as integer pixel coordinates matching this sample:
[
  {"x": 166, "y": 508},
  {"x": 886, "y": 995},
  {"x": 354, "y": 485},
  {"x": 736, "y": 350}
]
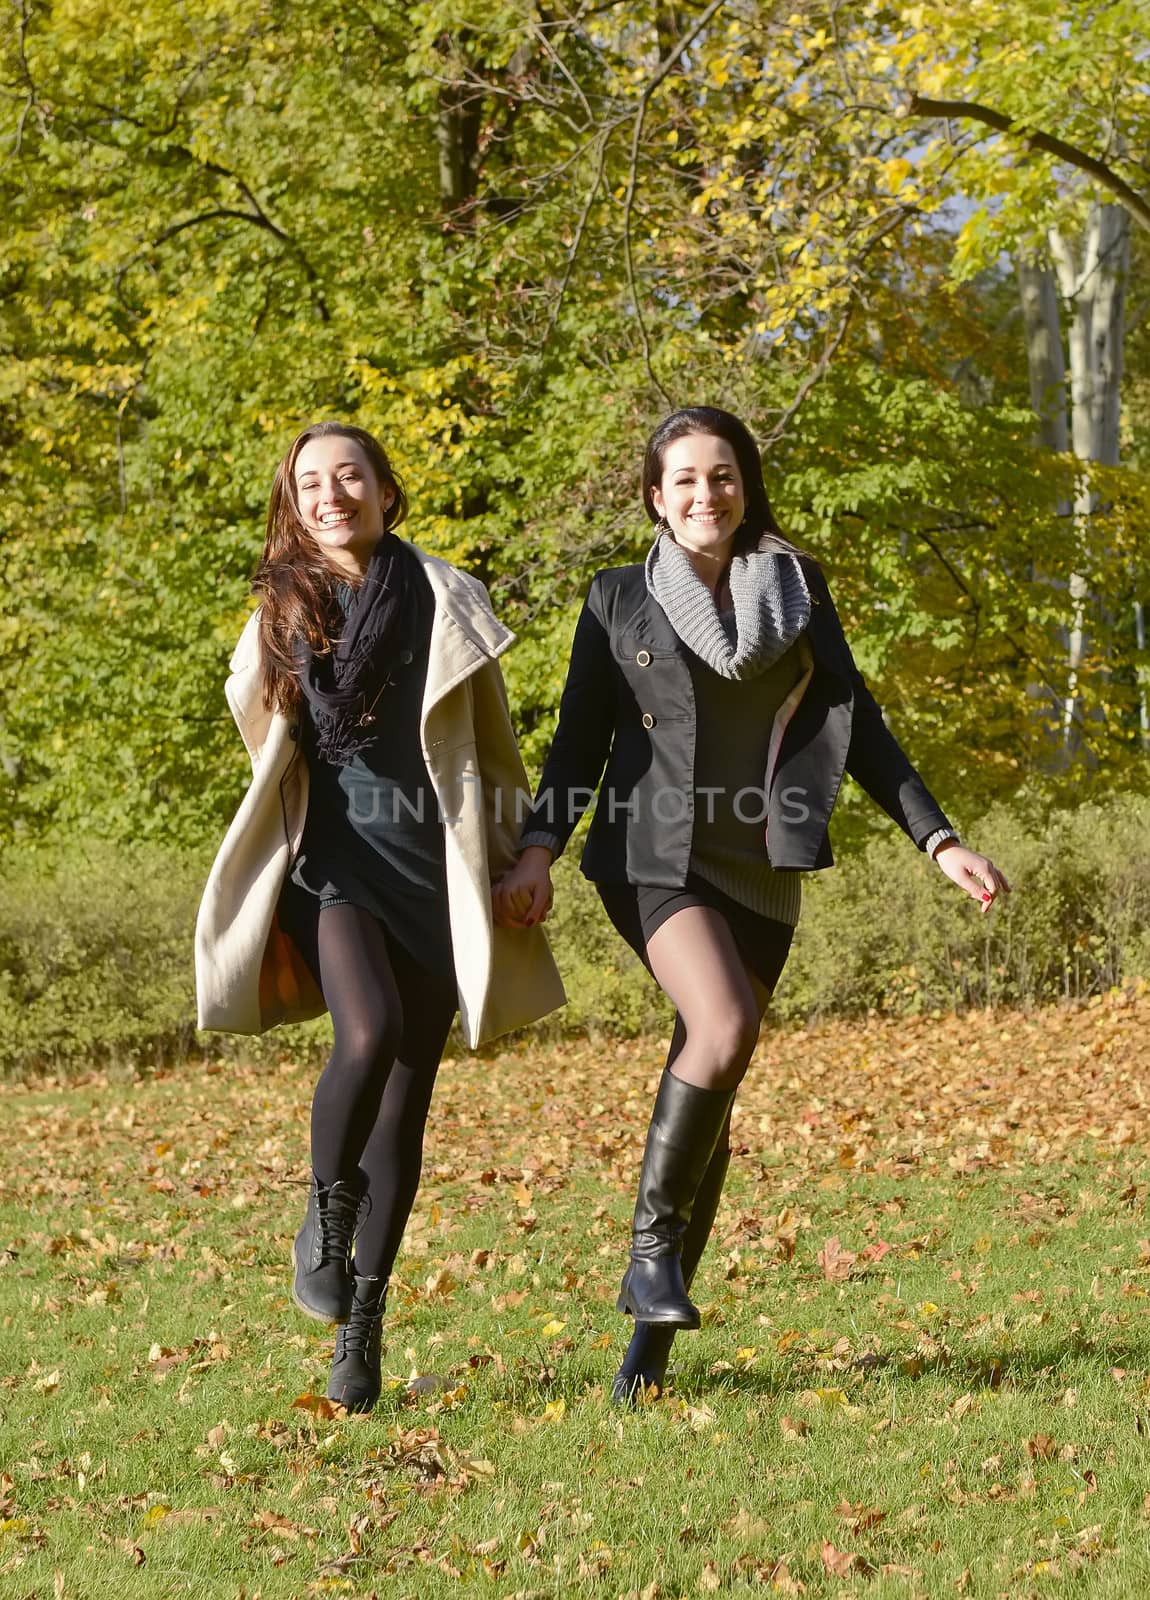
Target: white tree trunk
[
  {"x": 1045, "y": 357},
  {"x": 1094, "y": 291},
  {"x": 1046, "y": 367}
]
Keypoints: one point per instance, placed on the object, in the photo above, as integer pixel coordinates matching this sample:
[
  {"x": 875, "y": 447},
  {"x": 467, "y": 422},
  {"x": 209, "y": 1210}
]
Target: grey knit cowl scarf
[{"x": 771, "y": 600}]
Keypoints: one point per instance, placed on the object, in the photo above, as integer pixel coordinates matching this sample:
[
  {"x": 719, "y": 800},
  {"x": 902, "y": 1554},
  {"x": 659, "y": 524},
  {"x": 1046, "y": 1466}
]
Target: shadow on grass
[
  {"x": 1053, "y": 1365},
  {"x": 537, "y": 1378}
]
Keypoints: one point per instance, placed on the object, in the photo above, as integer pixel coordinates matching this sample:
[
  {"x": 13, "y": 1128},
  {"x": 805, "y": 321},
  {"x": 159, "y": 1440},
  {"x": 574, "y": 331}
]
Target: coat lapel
[
  {"x": 244, "y": 689},
  {"x": 465, "y": 632},
  {"x": 649, "y": 624}
]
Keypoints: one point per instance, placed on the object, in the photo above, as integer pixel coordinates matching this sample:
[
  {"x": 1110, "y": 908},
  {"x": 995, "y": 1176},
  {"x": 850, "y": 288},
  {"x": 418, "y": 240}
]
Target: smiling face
[
  {"x": 342, "y": 504},
  {"x": 701, "y": 494}
]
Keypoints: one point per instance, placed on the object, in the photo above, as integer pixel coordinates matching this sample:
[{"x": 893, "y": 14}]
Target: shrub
[
  {"x": 609, "y": 991},
  {"x": 96, "y": 944},
  {"x": 884, "y": 932},
  {"x": 96, "y": 962}
]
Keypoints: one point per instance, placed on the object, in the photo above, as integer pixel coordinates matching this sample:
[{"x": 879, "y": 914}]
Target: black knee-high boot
[
  {"x": 644, "y": 1366},
  {"x": 685, "y": 1127}
]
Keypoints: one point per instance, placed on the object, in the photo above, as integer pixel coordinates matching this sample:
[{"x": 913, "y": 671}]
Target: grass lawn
[{"x": 924, "y": 1370}]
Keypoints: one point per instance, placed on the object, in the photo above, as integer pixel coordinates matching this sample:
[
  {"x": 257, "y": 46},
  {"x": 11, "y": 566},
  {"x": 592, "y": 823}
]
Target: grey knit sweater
[{"x": 733, "y": 722}]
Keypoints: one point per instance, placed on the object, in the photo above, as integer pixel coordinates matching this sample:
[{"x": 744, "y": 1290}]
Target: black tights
[{"x": 390, "y": 1019}]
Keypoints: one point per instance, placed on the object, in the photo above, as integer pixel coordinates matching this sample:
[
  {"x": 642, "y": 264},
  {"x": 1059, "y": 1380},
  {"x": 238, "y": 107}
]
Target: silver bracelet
[{"x": 939, "y": 837}]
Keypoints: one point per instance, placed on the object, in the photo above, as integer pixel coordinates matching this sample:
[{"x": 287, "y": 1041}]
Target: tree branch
[
  {"x": 662, "y": 70},
  {"x": 225, "y": 212},
  {"x": 834, "y": 345},
  {"x": 576, "y": 242},
  {"x": 1035, "y": 139},
  {"x": 816, "y": 374},
  {"x": 31, "y": 98},
  {"x": 159, "y": 146},
  {"x": 1008, "y": 634}
]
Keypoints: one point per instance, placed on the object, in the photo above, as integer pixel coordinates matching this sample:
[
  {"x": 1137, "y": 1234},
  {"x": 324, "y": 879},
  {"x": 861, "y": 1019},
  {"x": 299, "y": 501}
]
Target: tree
[
  {"x": 1063, "y": 95},
  {"x": 506, "y": 241}
]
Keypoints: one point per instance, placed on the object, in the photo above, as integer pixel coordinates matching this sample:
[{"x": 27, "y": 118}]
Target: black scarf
[{"x": 343, "y": 686}]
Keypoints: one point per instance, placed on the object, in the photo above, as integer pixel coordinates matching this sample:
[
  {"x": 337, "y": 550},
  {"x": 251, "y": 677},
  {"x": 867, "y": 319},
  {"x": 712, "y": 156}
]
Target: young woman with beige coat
[{"x": 356, "y": 876}]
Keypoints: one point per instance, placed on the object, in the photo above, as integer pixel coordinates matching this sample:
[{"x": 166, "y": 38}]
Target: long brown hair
[{"x": 296, "y": 581}]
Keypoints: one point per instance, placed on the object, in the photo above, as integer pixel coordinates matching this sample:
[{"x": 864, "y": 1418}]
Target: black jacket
[{"x": 629, "y": 706}]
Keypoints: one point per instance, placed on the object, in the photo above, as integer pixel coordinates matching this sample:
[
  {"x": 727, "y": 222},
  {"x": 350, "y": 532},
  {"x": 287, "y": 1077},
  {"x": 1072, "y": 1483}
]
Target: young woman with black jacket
[{"x": 713, "y": 702}]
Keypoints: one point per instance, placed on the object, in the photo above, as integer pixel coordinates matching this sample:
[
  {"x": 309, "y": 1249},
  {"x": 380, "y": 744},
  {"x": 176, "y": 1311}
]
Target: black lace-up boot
[
  {"x": 645, "y": 1364},
  {"x": 685, "y": 1128},
  {"x": 355, "y": 1379},
  {"x": 323, "y": 1286}
]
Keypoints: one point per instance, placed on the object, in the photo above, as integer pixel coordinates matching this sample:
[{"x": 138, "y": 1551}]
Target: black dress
[{"x": 373, "y": 836}]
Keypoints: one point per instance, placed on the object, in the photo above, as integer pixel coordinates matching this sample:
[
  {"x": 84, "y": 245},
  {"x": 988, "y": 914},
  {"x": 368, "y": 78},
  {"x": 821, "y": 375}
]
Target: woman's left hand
[
  {"x": 977, "y": 874},
  {"x": 522, "y": 897}
]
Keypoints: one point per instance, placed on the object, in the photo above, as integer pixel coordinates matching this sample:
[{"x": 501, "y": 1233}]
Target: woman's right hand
[{"x": 522, "y": 897}]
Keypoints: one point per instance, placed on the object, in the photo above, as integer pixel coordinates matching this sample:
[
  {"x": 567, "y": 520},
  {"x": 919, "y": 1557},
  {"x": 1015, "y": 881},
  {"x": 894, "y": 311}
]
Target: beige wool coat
[{"x": 249, "y": 975}]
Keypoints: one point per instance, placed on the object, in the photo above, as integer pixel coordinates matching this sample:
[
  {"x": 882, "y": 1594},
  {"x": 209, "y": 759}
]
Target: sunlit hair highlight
[{"x": 294, "y": 578}]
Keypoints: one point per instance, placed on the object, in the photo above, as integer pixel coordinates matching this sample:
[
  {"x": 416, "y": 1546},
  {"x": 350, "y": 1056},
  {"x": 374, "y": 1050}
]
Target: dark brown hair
[
  {"x": 296, "y": 581},
  {"x": 759, "y": 518}
]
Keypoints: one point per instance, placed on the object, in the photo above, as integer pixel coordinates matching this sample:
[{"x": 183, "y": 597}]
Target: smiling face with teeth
[
  {"x": 342, "y": 504},
  {"x": 701, "y": 494}
]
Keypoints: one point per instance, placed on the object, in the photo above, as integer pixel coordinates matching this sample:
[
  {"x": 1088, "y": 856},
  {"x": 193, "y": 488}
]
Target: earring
[{"x": 661, "y": 527}]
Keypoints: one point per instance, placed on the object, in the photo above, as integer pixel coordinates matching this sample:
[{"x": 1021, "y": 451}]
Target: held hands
[
  {"x": 977, "y": 874},
  {"x": 522, "y": 897}
]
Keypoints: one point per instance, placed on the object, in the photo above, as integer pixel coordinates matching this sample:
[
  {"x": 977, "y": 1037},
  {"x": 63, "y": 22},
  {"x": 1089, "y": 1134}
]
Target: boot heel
[
  {"x": 643, "y": 1371},
  {"x": 653, "y": 1292},
  {"x": 644, "y": 1366}
]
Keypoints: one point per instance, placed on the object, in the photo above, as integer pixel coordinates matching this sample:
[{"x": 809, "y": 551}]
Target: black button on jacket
[{"x": 627, "y": 718}]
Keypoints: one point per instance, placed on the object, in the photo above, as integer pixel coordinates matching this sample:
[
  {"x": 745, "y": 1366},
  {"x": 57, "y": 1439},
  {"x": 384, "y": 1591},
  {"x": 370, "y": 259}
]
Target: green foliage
[
  {"x": 609, "y": 991},
  {"x": 508, "y": 248},
  {"x": 94, "y": 959},
  {"x": 96, "y": 964},
  {"x": 885, "y": 932},
  {"x": 1070, "y": 73}
]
